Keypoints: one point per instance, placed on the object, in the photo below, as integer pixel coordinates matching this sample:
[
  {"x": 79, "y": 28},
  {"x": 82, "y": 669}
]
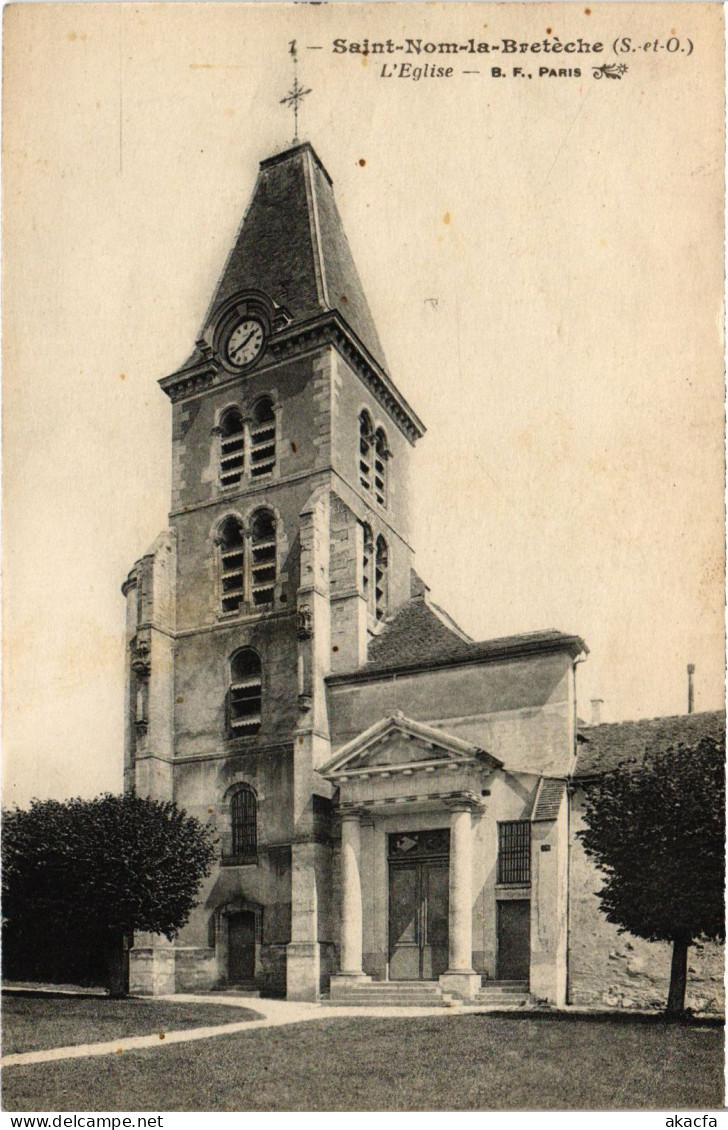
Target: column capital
[
  {"x": 463, "y": 802},
  {"x": 350, "y": 812}
]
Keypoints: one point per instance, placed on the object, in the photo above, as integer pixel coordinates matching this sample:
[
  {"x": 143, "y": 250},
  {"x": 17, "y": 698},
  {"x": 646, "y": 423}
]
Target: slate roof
[
  {"x": 292, "y": 245},
  {"x": 548, "y": 799},
  {"x": 422, "y": 635},
  {"x": 601, "y": 748}
]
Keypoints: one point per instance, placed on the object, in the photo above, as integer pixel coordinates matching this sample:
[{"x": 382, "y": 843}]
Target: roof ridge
[
  {"x": 651, "y": 718},
  {"x": 446, "y": 619},
  {"x": 315, "y": 229}
]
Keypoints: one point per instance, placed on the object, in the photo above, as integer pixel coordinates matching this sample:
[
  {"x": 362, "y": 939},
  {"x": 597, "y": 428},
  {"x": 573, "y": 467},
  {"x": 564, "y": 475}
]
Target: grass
[
  {"x": 32, "y": 1022},
  {"x": 449, "y": 1063}
]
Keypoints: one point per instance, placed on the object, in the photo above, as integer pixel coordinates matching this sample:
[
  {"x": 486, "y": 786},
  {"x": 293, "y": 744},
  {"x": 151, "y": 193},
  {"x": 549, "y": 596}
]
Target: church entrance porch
[{"x": 419, "y": 870}]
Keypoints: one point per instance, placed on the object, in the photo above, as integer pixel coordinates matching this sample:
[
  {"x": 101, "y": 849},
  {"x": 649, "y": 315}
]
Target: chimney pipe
[
  {"x": 691, "y": 688},
  {"x": 596, "y": 711}
]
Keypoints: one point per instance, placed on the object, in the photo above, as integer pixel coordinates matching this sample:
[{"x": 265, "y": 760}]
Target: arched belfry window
[
  {"x": 381, "y": 455},
  {"x": 366, "y": 440},
  {"x": 245, "y": 696},
  {"x": 232, "y": 448},
  {"x": 262, "y": 557},
  {"x": 230, "y": 540},
  {"x": 263, "y": 438},
  {"x": 381, "y": 579},
  {"x": 367, "y": 566},
  {"x": 244, "y": 823}
]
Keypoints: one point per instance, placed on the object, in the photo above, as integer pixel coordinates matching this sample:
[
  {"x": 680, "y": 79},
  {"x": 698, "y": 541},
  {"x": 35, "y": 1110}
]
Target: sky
[{"x": 542, "y": 256}]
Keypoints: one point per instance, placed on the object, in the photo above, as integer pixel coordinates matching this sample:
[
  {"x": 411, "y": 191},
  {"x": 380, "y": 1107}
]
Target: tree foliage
[
  {"x": 91, "y": 871},
  {"x": 657, "y": 832}
]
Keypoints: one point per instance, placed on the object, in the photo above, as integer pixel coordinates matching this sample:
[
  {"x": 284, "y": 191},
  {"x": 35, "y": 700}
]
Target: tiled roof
[
  {"x": 421, "y": 635},
  {"x": 603, "y": 747},
  {"x": 292, "y": 245},
  {"x": 416, "y": 633},
  {"x": 548, "y": 800}
]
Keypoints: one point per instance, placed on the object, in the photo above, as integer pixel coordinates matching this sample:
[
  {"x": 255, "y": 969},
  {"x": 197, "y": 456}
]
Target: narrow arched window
[
  {"x": 367, "y": 566},
  {"x": 381, "y": 579},
  {"x": 232, "y": 448},
  {"x": 244, "y": 822},
  {"x": 263, "y": 438},
  {"x": 262, "y": 557},
  {"x": 245, "y": 692},
  {"x": 381, "y": 455},
  {"x": 232, "y": 564},
  {"x": 366, "y": 437}
]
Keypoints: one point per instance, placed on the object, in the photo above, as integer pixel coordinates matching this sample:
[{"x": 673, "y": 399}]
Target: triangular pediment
[{"x": 397, "y": 743}]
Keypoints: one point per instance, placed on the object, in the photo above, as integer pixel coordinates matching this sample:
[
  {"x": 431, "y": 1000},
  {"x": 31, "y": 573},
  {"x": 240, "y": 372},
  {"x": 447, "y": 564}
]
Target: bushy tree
[
  {"x": 80, "y": 875},
  {"x": 657, "y": 832}
]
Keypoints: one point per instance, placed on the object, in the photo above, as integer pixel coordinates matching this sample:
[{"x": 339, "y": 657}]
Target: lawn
[
  {"x": 34, "y": 1022},
  {"x": 449, "y": 1063}
]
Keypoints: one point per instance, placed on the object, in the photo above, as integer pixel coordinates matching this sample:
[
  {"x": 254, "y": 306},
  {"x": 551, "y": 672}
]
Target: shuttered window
[
  {"x": 245, "y": 692},
  {"x": 232, "y": 448},
  {"x": 232, "y": 564},
  {"x": 263, "y": 557},
  {"x": 263, "y": 439}
]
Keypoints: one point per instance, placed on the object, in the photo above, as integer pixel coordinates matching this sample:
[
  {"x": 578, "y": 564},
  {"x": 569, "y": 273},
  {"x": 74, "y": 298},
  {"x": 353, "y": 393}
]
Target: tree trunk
[
  {"x": 678, "y": 977},
  {"x": 116, "y": 965}
]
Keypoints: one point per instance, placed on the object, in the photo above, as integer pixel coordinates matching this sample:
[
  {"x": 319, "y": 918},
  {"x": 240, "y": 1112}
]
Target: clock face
[{"x": 245, "y": 342}]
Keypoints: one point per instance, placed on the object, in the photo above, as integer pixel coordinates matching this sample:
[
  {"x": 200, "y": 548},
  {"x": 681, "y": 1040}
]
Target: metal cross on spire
[{"x": 297, "y": 93}]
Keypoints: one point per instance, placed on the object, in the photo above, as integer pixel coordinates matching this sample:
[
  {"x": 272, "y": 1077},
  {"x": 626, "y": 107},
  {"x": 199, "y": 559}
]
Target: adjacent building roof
[
  {"x": 292, "y": 245},
  {"x": 603, "y": 747}
]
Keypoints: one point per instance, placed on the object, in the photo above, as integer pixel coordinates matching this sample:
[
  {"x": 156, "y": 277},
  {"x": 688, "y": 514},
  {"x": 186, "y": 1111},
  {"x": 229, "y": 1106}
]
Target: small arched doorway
[{"x": 239, "y": 932}]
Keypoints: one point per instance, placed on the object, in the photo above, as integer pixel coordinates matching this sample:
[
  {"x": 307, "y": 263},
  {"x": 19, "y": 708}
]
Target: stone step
[
  {"x": 505, "y": 987},
  {"x": 384, "y": 1000},
  {"x": 392, "y": 992},
  {"x": 509, "y": 1001}
]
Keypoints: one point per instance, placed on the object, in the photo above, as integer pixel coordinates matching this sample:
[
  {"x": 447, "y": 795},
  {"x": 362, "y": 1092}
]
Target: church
[{"x": 395, "y": 802}]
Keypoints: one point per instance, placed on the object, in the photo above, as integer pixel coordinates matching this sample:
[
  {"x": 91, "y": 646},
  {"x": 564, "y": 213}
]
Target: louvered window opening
[
  {"x": 380, "y": 579},
  {"x": 232, "y": 449},
  {"x": 365, "y": 451},
  {"x": 244, "y": 823},
  {"x": 263, "y": 440},
  {"x": 366, "y": 566},
  {"x": 263, "y": 558},
  {"x": 245, "y": 692},
  {"x": 380, "y": 467},
  {"x": 232, "y": 566},
  {"x": 514, "y": 851}
]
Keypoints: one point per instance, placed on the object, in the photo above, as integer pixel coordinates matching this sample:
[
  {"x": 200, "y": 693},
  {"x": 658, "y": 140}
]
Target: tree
[
  {"x": 657, "y": 832},
  {"x": 81, "y": 875}
]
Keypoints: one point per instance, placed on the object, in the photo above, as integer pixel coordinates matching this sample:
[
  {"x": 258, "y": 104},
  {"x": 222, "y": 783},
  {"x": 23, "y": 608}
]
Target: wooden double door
[{"x": 419, "y": 880}]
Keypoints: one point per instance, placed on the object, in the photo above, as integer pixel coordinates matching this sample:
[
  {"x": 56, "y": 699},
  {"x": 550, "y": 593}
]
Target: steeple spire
[{"x": 297, "y": 92}]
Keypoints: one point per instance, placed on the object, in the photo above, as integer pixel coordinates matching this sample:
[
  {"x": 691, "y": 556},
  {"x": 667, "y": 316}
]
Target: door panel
[
  {"x": 514, "y": 940},
  {"x": 404, "y": 914},
  {"x": 241, "y": 946},
  {"x": 436, "y": 883}
]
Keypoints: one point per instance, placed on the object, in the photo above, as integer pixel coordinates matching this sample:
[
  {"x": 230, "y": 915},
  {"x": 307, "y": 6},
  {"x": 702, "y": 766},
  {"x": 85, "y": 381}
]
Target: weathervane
[{"x": 297, "y": 93}]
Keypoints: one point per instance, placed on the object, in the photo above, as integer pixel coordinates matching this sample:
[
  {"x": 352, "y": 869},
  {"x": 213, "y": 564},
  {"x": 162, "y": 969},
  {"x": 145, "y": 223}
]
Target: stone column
[
  {"x": 351, "y": 918},
  {"x": 351, "y": 909},
  {"x": 460, "y": 976}
]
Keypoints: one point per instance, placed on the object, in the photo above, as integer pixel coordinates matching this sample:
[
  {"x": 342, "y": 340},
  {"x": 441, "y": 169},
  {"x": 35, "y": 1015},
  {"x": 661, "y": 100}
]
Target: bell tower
[{"x": 288, "y": 548}]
